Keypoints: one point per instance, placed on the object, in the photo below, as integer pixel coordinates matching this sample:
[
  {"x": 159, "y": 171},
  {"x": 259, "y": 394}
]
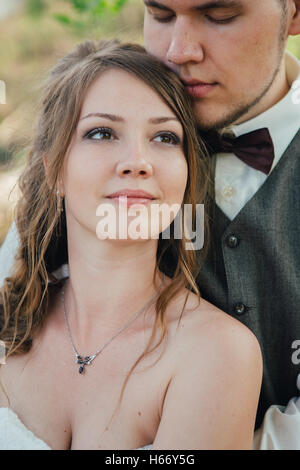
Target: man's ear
[{"x": 294, "y": 27}]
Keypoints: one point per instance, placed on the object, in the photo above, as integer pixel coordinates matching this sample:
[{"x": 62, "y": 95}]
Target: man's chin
[
  {"x": 209, "y": 118},
  {"x": 214, "y": 116},
  {"x": 212, "y": 123}
]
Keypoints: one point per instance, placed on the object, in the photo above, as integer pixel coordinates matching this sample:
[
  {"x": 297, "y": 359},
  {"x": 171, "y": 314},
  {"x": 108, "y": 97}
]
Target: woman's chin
[{"x": 128, "y": 238}]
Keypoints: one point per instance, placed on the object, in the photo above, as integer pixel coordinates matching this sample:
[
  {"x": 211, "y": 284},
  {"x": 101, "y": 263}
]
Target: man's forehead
[{"x": 194, "y": 5}]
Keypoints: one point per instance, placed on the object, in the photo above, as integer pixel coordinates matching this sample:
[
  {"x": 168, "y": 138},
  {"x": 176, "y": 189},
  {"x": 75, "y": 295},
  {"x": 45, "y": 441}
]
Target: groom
[{"x": 231, "y": 56}]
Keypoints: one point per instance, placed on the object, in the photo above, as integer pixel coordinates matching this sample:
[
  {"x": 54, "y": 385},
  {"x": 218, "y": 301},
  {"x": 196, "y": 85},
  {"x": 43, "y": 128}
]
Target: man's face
[{"x": 229, "y": 53}]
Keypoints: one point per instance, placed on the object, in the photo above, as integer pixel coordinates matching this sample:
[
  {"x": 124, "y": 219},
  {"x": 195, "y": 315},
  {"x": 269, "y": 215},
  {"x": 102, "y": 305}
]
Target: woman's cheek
[{"x": 177, "y": 175}]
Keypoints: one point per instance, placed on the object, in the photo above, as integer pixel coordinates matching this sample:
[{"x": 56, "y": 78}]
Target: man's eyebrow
[
  {"x": 154, "y": 4},
  {"x": 111, "y": 117},
  {"x": 210, "y": 5}
]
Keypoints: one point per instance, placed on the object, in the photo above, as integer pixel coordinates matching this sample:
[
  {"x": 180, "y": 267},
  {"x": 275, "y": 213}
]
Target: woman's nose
[{"x": 135, "y": 168}]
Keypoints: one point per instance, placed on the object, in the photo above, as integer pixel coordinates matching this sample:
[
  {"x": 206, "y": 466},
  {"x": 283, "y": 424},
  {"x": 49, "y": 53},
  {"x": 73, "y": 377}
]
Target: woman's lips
[
  {"x": 128, "y": 197},
  {"x": 126, "y": 201},
  {"x": 199, "y": 90}
]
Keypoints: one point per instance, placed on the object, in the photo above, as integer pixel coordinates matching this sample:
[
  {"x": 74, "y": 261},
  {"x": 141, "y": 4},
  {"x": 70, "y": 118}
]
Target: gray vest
[{"x": 252, "y": 272}]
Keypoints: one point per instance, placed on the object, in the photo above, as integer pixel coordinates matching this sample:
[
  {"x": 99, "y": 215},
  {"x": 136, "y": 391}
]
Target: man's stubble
[{"x": 244, "y": 108}]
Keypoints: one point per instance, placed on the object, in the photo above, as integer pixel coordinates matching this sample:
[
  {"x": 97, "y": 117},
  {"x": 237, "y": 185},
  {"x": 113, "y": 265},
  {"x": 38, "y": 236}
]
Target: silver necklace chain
[{"x": 87, "y": 360}]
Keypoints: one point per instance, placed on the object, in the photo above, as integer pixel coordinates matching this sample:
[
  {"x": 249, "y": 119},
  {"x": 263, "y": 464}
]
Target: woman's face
[{"x": 127, "y": 139}]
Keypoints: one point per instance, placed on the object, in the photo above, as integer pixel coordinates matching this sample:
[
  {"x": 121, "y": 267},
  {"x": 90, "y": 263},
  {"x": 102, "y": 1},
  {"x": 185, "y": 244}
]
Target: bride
[{"x": 115, "y": 354}]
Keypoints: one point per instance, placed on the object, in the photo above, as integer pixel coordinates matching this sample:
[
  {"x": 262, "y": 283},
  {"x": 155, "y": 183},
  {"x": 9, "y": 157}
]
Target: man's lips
[{"x": 198, "y": 89}]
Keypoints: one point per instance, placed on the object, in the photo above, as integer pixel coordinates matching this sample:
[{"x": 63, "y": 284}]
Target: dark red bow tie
[{"x": 256, "y": 148}]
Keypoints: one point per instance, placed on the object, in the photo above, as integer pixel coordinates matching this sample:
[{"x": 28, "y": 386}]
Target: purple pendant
[{"x": 83, "y": 362}]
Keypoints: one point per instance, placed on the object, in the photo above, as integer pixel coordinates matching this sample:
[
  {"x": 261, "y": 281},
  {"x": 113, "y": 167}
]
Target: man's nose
[
  {"x": 185, "y": 45},
  {"x": 135, "y": 165}
]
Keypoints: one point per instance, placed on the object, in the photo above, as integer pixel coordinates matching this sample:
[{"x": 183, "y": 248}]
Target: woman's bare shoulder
[
  {"x": 214, "y": 389},
  {"x": 204, "y": 329}
]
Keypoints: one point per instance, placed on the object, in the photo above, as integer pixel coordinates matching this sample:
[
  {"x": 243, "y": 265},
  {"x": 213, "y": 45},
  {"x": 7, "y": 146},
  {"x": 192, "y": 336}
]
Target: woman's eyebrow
[
  {"x": 115, "y": 118},
  {"x": 111, "y": 117},
  {"x": 159, "y": 120}
]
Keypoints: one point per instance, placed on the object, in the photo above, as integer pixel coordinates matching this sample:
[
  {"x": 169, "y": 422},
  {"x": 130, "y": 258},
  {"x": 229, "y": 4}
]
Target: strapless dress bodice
[{"x": 14, "y": 435}]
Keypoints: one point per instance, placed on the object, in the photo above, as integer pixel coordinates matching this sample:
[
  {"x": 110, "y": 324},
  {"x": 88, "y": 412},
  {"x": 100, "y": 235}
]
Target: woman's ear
[
  {"x": 294, "y": 27},
  {"x": 60, "y": 186}
]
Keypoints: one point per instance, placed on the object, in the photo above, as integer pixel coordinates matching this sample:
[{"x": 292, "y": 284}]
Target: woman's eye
[
  {"x": 167, "y": 138},
  {"x": 101, "y": 133}
]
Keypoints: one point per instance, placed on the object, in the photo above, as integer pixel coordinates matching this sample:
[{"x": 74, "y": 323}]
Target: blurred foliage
[
  {"x": 36, "y": 7},
  {"x": 97, "y": 6},
  {"x": 87, "y": 13},
  {"x": 94, "y": 7},
  {"x": 294, "y": 45},
  {"x": 32, "y": 40},
  {"x": 83, "y": 13}
]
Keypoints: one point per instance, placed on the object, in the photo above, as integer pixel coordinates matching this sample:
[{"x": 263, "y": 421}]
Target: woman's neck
[{"x": 109, "y": 282}]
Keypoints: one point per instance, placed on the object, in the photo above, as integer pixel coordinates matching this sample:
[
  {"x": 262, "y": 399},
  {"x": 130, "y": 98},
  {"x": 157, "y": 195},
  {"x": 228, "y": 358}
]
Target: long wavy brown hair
[{"x": 24, "y": 297}]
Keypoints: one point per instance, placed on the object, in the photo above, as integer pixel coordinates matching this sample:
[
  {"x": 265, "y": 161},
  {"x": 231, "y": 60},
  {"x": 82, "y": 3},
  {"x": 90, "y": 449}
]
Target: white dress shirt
[{"x": 236, "y": 182}]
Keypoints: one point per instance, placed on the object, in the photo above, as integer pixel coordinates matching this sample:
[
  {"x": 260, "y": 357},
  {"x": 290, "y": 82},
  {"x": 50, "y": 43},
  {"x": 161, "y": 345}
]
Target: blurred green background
[{"x": 33, "y": 35}]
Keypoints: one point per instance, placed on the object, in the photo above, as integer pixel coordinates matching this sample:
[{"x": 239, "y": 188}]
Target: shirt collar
[{"x": 283, "y": 119}]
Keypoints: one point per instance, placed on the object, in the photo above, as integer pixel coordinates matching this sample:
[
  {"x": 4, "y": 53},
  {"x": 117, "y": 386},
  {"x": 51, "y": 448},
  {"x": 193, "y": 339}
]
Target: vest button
[
  {"x": 232, "y": 241},
  {"x": 240, "y": 309}
]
